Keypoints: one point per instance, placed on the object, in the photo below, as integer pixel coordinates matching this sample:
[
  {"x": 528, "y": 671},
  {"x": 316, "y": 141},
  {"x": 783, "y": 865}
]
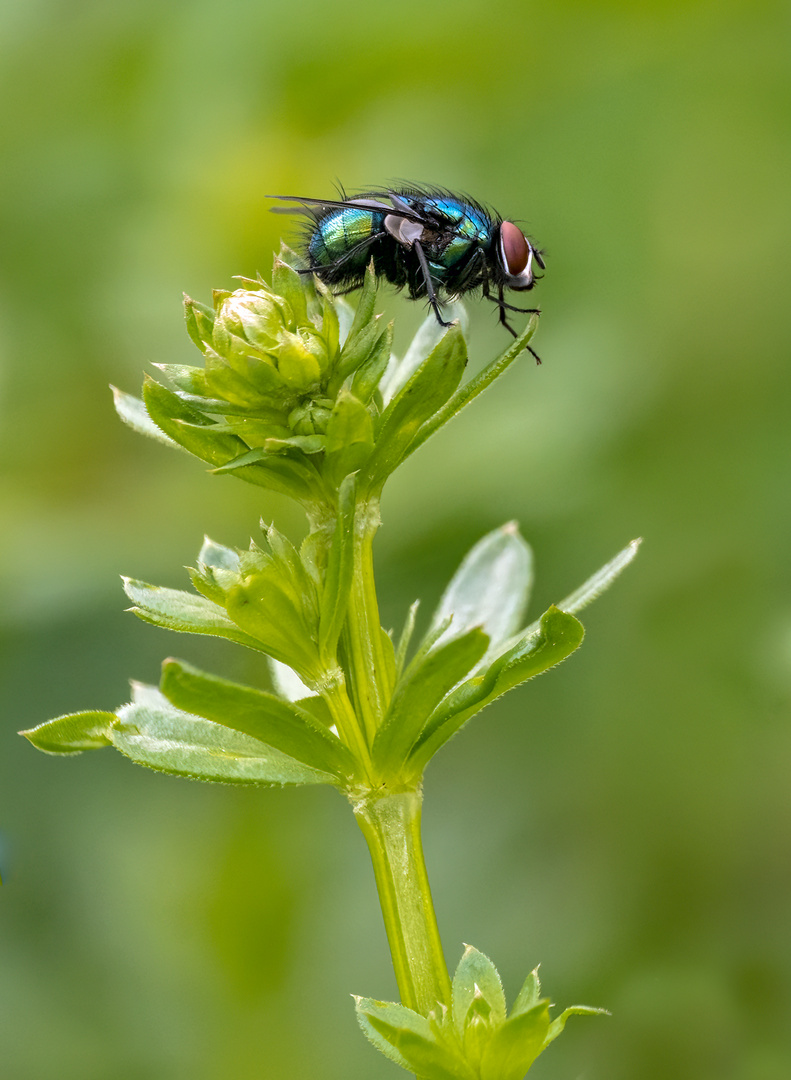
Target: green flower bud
[
  {"x": 256, "y": 317},
  {"x": 311, "y": 417},
  {"x": 297, "y": 363}
]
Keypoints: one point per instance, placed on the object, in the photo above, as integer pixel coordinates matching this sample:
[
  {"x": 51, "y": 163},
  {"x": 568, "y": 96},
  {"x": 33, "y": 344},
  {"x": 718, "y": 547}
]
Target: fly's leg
[
  {"x": 432, "y": 296},
  {"x": 508, "y": 307},
  {"x": 502, "y": 306}
]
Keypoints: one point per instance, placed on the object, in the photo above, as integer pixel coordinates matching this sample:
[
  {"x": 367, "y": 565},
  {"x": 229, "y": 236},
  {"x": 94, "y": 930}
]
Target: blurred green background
[{"x": 627, "y": 820}]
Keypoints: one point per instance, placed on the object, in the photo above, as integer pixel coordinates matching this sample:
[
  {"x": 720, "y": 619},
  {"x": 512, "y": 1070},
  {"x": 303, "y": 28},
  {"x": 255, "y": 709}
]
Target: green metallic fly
[{"x": 429, "y": 241}]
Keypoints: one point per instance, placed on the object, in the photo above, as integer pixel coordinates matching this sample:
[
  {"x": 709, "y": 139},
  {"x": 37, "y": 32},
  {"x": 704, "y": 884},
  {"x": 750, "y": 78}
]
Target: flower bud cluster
[{"x": 282, "y": 380}]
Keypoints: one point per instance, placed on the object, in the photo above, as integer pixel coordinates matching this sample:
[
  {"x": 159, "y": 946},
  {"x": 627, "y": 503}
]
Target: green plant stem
[
  {"x": 390, "y": 824},
  {"x": 348, "y": 725},
  {"x": 371, "y": 674}
]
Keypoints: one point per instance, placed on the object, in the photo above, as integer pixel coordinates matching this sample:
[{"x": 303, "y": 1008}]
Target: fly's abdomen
[{"x": 345, "y": 237}]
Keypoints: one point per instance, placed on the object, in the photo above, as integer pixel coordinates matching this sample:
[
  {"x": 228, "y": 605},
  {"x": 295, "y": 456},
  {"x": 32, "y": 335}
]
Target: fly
[{"x": 429, "y": 241}]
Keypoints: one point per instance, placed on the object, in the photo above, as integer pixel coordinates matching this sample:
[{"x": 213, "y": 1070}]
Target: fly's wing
[
  {"x": 388, "y": 202},
  {"x": 361, "y": 203}
]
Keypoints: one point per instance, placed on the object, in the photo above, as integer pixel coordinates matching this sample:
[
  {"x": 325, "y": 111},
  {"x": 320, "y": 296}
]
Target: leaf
[
  {"x": 490, "y": 589},
  {"x": 427, "y": 390},
  {"x": 153, "y": 733},
  {"x": 73, "y": 733},
  {"x": 428, "y": 334},
  {"x": 221, "y": 407},
  {"x": 287, "y": 683},
  {"x": 248, "y": 457},
  {"x": 405, "y": 638},
  {"x": 216, "y": 573},
  {"x": 476, "y": 972},
  {"x": 365, "y": 303},
  {"x": 330, "y": 324},
  {"x": 516, "y": 1044},
  {"x": 287, "y": 283},
  {"x": 467, "y": 393},
  {"x": 529, "y": 995},
  {"x": 200, "y": 322},
  {"x": 601, "y": 580},
  {"x": 407, "y": 1038},
  {"x": 338, "y": 579},
  {"x": 288, "y": 476},
  {"x": 189, "y": 380},
  {"x": 279, "y": 611},
  {"x": 218, "y": 556},
  {"x": 350, "y": 438},
  {"x": 557, "y": 1025},
  {"x": 241, "y": 377},
  {"x": 277, "y": 723},
  {"x": 425, "y": 683},
  {"x": 555, "y": 637},
  {"x": 167, "y": 410},
  {"x": 183, "y": 611},
  {"x": 355, "y": 352},
  {"x": 133, "y": 412},
  {"x": 368, "y": 376}
]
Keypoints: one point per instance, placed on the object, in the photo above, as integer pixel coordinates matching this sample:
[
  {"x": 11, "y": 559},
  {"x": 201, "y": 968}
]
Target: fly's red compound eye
[{"x": 514, "y": 247}]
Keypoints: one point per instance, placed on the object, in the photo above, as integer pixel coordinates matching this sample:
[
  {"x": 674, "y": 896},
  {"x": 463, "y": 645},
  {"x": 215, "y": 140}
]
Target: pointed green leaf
[
  {"x": 133, "y": 412},
  {"x": 467, "y": 393},
  {"x": 425, "y": 393},
  {"x": 407, "y": 1038},
  {"x": 248, "y": 457},
  {"x": 217, "y": 571},
  {"x": 490, "y": 589},
  {"x": 277, "y": 723},
  {"x": 287, "y": 283},
  {"x": 306, "y": 444},
  {"x": 218, "y": 556},
  {"x": 405, "y": 638},
  {"x": 424, "y": 684},
  {"x": 253, "y": 431},
  {"x": 368, "y": 376},
  {"x": 601, "y": 580},
  {"x": 189, "y": 380},
  {"x": 288, "y": 476},
  {"x": 355, "y": 352},
  {"x": 516, "y": 1044},
  {"x": 350, "y": 438},
  {"x": 554, "y": 638},
  {"x": 476, "y": 971},
  {"x": 557, "y": 1025},
  {"x": 167, "y": 409},
  {"x": 221, "y": 407},
  {"x": 529, "y": 995},
  {"x": 338, "y": 579},
  {"x": 200, "y": 322},
  {"x": 152, "y": 732},
  {"x": 401, "y": 370},
  {"x": 330, "y": 323},
  {"x": 243, "y": 379},
  {"x": 73, "y": 733},
  {"x": 182, "y": 611},
  {"x": 275, "y": 611},
  {"x": 365, "y": 302}
]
